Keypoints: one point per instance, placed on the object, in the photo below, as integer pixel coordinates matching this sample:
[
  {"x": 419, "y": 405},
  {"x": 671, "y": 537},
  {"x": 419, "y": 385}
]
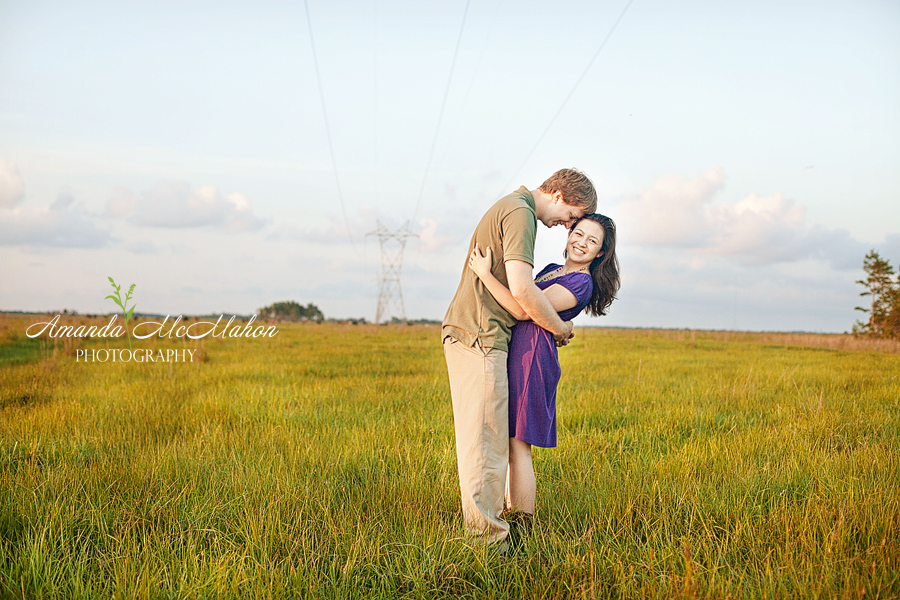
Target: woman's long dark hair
[{"x": 605, "y": 268}]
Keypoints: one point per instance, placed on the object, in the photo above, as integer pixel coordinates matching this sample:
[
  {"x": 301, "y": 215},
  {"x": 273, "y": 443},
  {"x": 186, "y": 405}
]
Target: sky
[{"x": 223, "y": 156}]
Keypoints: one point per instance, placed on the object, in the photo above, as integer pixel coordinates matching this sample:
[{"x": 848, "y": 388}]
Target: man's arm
[
  {"x": 560, "y": 298},
  {"x": 481, "y": 265},
  {"x": 534, "y": 302}
]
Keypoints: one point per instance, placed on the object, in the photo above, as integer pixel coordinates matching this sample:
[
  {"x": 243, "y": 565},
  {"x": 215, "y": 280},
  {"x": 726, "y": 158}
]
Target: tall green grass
[{"x": 320, "y": 463}]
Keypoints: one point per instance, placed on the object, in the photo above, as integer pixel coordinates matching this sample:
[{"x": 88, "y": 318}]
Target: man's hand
[{"x": 563, "y": 339}]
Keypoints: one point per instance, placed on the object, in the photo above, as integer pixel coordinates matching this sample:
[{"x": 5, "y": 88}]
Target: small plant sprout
[{"x": 118, "y": 300}]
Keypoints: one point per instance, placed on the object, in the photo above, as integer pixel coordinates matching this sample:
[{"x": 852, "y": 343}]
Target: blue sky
[{"x": 747, "y": 150}]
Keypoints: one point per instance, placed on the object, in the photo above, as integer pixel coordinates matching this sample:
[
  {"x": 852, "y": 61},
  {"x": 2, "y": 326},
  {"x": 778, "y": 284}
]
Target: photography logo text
[{"x": 196, "y": 330}]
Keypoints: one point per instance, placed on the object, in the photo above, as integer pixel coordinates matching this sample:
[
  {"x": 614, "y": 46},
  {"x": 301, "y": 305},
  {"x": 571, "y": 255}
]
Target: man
[{"x": 476, "y": 332}]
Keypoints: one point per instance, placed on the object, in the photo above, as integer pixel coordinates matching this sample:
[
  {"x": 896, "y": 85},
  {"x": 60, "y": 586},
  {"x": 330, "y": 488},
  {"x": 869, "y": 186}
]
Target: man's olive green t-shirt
[{"x": 508, "y": 228}]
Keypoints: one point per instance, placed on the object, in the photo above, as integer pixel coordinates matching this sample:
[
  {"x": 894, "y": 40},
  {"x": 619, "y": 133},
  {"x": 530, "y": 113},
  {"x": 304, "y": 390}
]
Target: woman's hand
[{"x": 480, "y": 264}]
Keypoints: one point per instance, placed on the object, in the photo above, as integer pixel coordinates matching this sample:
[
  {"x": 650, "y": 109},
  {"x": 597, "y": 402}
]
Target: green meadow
[{"x": 320, "y": 464}]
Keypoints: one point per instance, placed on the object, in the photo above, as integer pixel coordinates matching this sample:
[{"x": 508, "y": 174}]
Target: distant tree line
[
  {"x": 884, "y": 290},
  {"x": 396, "y": 321},
  {"x": 291, "y": 311}
]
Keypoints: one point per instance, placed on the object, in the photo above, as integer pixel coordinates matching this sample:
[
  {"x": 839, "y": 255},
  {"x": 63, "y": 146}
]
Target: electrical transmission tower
[{"x": 389, "y": 292}]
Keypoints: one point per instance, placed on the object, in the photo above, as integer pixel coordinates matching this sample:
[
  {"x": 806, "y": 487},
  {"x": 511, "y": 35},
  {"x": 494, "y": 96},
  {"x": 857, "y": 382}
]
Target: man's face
[{"x": 560, "y": 213}]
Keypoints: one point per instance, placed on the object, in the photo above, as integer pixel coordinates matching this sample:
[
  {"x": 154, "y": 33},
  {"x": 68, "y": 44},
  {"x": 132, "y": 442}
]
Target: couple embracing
[{"x": 500, "y": 335}]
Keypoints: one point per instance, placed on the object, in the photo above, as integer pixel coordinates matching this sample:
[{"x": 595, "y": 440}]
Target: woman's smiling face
[{"x": 585, "y": 242}]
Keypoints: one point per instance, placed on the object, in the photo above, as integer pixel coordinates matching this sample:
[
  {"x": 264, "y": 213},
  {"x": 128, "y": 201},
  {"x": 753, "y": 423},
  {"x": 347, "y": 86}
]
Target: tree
[
  {"x": 892, "y": 322},
  {"x": 884, "y": 292},
  {"x": 291, "y": 311}
]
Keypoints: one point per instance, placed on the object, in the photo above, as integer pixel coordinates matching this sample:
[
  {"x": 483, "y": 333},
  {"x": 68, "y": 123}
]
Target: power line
[
  {"x": 456, "y": 132},
  {"x": 441, "y": 116},
  {"x": 389, "y": 290},
  {"x": 566, "y": 101},
  {"x": 375, "y": 98},
  {"x": 337, "y": 179},
  {"x": 484, "y": 46}
]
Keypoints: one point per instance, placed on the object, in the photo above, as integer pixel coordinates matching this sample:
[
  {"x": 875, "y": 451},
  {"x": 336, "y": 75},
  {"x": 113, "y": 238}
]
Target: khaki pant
[{"x": 480, "y": 391}]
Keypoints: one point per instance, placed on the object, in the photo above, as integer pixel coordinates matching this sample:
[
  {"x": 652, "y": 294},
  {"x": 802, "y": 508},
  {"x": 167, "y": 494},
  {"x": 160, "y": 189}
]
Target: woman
[{"x": 589, "y": 280}]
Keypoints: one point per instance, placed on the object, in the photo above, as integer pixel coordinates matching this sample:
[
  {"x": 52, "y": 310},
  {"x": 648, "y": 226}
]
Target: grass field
[{"x": 320, "y": 463}]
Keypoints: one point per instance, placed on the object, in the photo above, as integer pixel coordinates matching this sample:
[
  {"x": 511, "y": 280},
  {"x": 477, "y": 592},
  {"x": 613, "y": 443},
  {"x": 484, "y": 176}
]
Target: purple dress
[{"x": 534, "y": 367}]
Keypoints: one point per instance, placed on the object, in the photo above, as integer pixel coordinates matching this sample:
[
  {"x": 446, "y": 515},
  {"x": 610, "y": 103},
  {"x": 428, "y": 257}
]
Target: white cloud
[
  {"x": 758, "y": 229},
  {"x": 239, "y": 201},
  {"x": 141, "y": 247},
  {"x": 54, "y": 225},
  {"x": 679, "y": 213},
  {"x": 12, "y": 188},
  {"x": 660, "y": 290},
  {"x": 334, "y": 231},
  {"x": 121, "y": 203},
  {"x": 173, "y": 204},
  {"x": 669, "y": 213},
  {"x": 429, "y": 240},
  {"x": 63, "y": 201}
]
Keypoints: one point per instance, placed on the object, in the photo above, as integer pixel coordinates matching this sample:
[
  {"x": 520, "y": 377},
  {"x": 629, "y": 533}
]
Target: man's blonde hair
[{"x": 576, "y": 188}]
